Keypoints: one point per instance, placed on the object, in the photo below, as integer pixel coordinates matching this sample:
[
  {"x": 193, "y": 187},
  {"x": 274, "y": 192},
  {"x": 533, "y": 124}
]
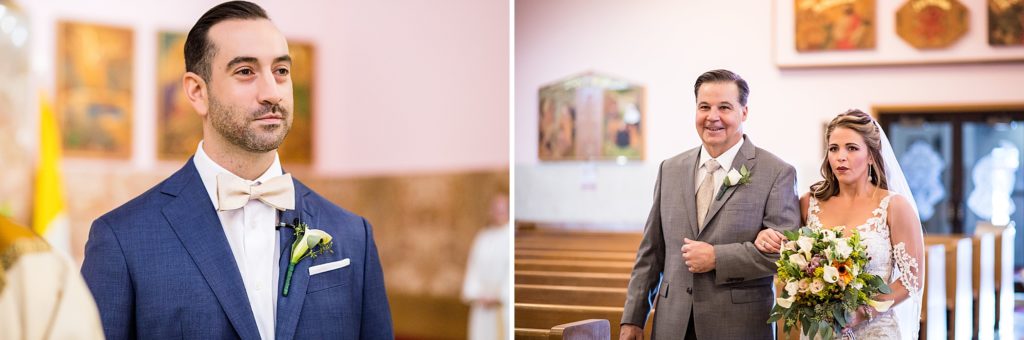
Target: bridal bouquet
[{"x": 825, "y": 280}]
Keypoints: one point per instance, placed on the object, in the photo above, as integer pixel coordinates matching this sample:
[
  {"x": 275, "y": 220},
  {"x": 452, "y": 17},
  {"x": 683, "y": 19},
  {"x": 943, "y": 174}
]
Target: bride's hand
[
  {"x": 857, "y": 317},
  {"x": 769, "y": 240}
]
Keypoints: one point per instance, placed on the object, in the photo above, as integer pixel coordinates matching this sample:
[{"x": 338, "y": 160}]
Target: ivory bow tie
[{"x": 234, "y": 192}]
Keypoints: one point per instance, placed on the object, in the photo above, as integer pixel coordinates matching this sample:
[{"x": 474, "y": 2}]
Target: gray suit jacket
[{"x": 733, "y": 300}]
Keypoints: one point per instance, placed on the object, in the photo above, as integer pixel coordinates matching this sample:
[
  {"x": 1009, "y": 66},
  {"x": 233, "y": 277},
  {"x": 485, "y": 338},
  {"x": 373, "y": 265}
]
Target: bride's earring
[{"x": 872, "y": 176}]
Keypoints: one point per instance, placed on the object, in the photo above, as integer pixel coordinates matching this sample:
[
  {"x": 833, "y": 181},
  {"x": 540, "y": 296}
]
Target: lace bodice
[{"x": 874, "y": 234}]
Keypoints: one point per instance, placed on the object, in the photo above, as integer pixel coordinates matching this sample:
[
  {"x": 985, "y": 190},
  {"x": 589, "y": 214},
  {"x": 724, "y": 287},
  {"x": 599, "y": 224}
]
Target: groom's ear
[
  {"x": 743, "y": 115},
  {"x": 196, "y": 90}
]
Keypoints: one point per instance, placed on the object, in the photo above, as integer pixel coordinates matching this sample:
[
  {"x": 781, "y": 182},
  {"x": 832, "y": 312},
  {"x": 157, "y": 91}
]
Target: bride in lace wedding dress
[{"x": 865, "y": 191}]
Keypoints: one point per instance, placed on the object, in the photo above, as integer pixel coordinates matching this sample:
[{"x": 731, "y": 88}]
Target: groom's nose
[{"x": 713, "y": 115}]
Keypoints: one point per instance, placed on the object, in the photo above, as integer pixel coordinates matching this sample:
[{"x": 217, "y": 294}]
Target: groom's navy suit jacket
[{"x": 160, "y": 267}]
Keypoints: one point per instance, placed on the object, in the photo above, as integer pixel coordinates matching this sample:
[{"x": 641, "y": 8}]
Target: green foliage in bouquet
[{"x": 824, "y": 280}]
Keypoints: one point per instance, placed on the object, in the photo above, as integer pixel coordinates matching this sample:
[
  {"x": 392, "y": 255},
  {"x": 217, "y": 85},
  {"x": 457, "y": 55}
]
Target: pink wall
[{"x": 420, "y": 86}]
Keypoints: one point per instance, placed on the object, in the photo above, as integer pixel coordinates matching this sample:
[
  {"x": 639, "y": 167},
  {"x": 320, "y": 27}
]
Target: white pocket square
[{"x": 320, "y": 268}]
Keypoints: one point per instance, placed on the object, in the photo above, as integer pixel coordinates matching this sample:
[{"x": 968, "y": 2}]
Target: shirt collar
[
  {"x": 208, "y": 171},
  {"x": 725, "y": 159}
]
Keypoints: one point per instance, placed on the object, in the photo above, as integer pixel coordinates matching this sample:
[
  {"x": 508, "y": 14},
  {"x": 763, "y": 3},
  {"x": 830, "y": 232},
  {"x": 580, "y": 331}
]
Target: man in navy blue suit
[{"x": 204, "y": 254}]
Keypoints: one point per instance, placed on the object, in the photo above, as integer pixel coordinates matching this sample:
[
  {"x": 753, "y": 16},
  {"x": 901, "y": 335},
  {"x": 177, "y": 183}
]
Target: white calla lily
[
  {"x": 880, "y": 306},
  {"x": 308, "y": 242},
  {"x": 806, "y": 244},
  {"x": 785, "y": 302},
  {"x": 830, "y": 274}
]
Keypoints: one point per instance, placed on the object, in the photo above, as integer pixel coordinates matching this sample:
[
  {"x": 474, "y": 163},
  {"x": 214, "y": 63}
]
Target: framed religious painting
[
  {"x": 298, "y": 147},
  {"x": 851, "y": 33},
  {"x": 1006, "y": 22},
  {"x": 591, "y": 117},
  {"x": 179, "y": 127},
  {"x": 931, "y": 24},
  {"x": 834, "y": 25},
  {"x": 95, "y": 89}
]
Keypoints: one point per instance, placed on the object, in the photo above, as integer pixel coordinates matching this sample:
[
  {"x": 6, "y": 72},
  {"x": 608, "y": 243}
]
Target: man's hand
[
  {"x": 698, "y": 256},
  {"x": 631, "y": 332}
]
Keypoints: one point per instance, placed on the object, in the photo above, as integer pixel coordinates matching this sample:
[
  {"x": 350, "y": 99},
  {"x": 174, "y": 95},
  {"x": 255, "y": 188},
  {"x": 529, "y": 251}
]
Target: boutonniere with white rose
[
  {"x": 734, "y": 178},
  {"x": 309, "y": 242}
]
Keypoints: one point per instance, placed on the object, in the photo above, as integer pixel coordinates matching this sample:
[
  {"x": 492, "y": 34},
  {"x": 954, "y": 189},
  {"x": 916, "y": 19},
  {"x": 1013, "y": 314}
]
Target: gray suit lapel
[
  {"x": 744, "y": 157},
  {"x": 689, "y": 168}
]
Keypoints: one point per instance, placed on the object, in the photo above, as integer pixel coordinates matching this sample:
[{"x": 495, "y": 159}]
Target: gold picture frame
[
  {"x": 591, "y": 117},
  {"x": 95, "y": 89}
]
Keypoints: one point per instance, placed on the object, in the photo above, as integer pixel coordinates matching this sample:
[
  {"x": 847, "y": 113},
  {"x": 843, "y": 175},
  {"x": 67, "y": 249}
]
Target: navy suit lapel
[
  {"x": 194, "y": 220},
  {"x": 745, "y": 156},
  {"x": 289, "y": 307}
]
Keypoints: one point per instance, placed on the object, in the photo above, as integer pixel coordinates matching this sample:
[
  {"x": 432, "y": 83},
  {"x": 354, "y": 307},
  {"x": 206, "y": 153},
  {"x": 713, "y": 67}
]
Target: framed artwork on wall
[
  {"x": 298, "y": 147},
  {"x": 829, "y": 26},
  {"x": 95, "y": 89},
  {"x": 836, "y": 33},
  {"x": 591, "y": 117},
  {"x": 179, "y": 127},
  {"x": 1006, "y": 22}
]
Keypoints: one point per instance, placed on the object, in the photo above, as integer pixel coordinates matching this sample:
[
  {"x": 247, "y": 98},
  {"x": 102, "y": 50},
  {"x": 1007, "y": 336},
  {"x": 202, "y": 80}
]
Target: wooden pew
[
  {"x": 545, "y": 316},
  {"x": 1004, "y": 242},
  {"x": 577, "y": 240},
  {"x": 564, "y": 279},
  {"x": 570, "y": 295},
  {"x": 613, "y": 280},
  {"x": 544, "y": 254},
  {"x": 959, "y": 280},
  {"x": 574, "y": 265},
  {"x": 933, "y": 310},
  {"x": 983, "y": 280},
  {"x": 532, "y": 334},
  {"x": 591, "y": 329}
]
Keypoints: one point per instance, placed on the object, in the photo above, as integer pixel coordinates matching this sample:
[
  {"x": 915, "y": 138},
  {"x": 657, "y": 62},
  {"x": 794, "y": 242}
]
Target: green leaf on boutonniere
[{"x": 309, "y": 242}]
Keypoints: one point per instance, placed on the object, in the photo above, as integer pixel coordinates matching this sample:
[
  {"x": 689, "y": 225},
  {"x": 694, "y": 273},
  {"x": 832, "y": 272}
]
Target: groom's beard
[{"x": 237, "y": 129}]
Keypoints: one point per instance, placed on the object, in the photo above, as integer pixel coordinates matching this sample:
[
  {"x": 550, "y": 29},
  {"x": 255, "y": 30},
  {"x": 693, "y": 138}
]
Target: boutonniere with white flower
[
  {"x": 734, "y": 178},
  {"x": 309, "y": 242}
]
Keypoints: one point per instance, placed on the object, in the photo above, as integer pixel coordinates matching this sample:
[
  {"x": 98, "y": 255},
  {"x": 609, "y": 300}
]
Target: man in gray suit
[{"x": 698, "y": 241}]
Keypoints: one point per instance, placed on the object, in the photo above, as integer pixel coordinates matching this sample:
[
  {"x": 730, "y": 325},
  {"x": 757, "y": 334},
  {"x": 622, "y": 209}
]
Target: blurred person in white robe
[
  {"x": 42, "y": 295},
  {"x": 486, "y": 287}
]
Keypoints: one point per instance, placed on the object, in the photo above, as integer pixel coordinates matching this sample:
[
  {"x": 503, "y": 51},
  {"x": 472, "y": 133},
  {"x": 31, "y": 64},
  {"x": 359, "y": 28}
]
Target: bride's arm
[{"x": 907, "y": 240}]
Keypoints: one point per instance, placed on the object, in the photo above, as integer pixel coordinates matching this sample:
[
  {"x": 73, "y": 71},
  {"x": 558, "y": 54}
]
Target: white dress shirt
[
  {"x": 254, "y": 242},
  {"x": 724, "y": 160}
]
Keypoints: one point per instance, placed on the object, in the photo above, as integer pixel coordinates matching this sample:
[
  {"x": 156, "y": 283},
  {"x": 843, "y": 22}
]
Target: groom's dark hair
[
  {"x": 721, "y": 75},
  {"x": 199, "y": 50}
]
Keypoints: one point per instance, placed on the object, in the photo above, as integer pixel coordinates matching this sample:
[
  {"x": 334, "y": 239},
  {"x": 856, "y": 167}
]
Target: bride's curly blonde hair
[{"x": 865, "y": 126}]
